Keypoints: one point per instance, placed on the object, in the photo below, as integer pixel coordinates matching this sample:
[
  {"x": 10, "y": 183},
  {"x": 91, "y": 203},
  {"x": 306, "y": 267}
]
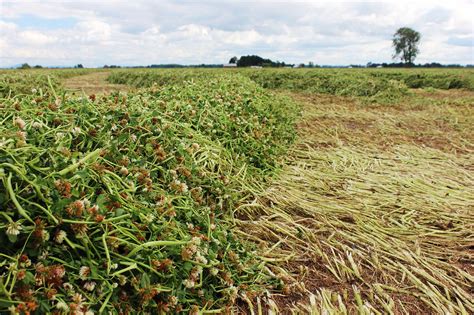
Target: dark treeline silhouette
[
  {"x": 170, "y": 65},
  {"x": 254, "y": 60},
  {"x": 27, "y": 66},
  {"x": 412, "y": 65},
  {"x": 259, "y": 61},
  {"x": 183, "y": 66}
]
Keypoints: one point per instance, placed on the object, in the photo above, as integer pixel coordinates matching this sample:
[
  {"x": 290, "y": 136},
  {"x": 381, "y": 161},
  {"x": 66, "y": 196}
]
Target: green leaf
[
  {"x": 12, "y": 238},
  {"x": 187, "y": 266},
  {"x": 145, "y": 281}
]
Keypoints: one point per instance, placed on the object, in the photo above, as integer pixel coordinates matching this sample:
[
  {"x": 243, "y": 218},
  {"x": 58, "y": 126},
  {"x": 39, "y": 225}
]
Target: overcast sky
[{"x": 141, "y": 32}]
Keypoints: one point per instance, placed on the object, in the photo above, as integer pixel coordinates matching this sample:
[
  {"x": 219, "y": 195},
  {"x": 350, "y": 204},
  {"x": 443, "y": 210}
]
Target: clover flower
[
  {"x": 89, "y": 286},
  {"x": 22, "y": 135},
  {"x": 14, "y": 228},
  {"x": 201, "y": 259},
  {"x": 122, "y": 280},
  {"x": 195, "y": 273},
  {"x": 86, "y": 202},
  {"x": 124, "y": 171},
  {"x": 179, "y": 186},
  {"x": 13, "y": 310},
  {"x": 20, "y": 123},
  {"x": 60, "y": 236},
  {"x": 196, "y": 240},
  {"x": 21, "y": 274},
  {"x": 84, "y": 272},
  {"x": 78, "y": 298},
  {"x": 60, "y": 135},
  {"x": 189, "y": 283},
  {"x": 69, "y": 288},
  {"x": 37, "y": 125},
  {"x": 44, "y": 255},
  {"x": 149, "y": 218},
  {"x": 45, "y": 235},
  {"x": 61, "y": 305},
  {"x": 173, "y": 173},
  {"x": 76, "y": 131}
]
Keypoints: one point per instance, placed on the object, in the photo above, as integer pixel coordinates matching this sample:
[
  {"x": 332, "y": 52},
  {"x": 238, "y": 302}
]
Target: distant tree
[
  {"x": 311, "y": 64},
  {"x": 24, "y": 66},
  {"x": 253, "y": 60},
  {"x": 38, "y": 67},
  {"x": 233, "y": 59},
  {"x": 405, "y": 41},
  {"x": 79, "y": 66}
]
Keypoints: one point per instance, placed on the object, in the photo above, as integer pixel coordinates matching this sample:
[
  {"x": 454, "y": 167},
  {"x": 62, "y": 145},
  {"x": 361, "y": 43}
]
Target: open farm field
[{"x": 256, "y": 191}]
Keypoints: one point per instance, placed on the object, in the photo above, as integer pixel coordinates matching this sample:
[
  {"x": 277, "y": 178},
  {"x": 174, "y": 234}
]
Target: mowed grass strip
[
  {"x": 93, "y": 83},
  {"x": 373, "y": 212}
]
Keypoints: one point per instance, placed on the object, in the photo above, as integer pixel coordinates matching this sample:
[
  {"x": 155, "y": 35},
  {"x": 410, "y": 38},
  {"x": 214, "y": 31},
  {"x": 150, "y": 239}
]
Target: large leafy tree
[
  {"x": 233, "y": 59},
  {"x": 405, "y": 41}
]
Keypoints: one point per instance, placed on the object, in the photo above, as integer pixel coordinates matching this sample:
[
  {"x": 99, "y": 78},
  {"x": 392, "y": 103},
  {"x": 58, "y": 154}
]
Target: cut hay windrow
[
  {"x": 121, "y": 203},
  {"x": 371, "y": 225}
]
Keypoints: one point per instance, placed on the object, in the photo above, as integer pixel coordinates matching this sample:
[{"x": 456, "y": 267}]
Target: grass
[{"x": 373, "y": 212}]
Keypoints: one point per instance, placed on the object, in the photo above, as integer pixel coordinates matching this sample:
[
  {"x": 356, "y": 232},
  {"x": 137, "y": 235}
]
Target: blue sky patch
[{"x": 28, "y": 21}]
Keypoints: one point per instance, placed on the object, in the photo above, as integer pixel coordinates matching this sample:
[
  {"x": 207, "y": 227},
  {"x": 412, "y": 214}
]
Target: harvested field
[
  {"x": 374, "y": 210},
  {"x": 203, "y": 198}
]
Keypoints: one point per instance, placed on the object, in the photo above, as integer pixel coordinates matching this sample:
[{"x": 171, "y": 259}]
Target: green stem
[
  {"x": 106, "y": 301},
  {"x": 20, "y": 209},
  {"x": 51, "y": 87},
  {"x": 74, "y": 166},
  {"x": 131, "y": 267},
  {"x": 156, "y": 243}
]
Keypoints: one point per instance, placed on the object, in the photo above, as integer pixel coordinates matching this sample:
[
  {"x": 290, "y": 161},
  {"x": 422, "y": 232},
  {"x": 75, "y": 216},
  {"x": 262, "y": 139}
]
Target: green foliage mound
[
  {"x": 16, "y": 83},
  {"x": 159, "y": 77},
  {"x": 122, "y": 203}
]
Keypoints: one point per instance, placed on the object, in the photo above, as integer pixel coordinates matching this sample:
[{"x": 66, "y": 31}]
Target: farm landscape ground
[{"x": 307, "y": 191}]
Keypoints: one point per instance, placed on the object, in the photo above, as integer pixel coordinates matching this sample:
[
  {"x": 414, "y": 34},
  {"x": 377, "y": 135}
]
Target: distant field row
[
  {"x": 346, "y": 82},
  {"x": 384, "y": 84}
]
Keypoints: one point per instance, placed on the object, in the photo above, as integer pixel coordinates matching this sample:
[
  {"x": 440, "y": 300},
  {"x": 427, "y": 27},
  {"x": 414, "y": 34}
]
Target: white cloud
[
  {"x": 93, "y": 31},
  {"x": 144, "y": 32},
  {"x": 35, "y": 38}
]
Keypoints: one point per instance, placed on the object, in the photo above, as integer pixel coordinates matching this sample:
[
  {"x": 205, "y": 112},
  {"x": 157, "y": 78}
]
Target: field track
[
  {"x": 373, "y": 212},
  {"x": 92, "y": 83}
]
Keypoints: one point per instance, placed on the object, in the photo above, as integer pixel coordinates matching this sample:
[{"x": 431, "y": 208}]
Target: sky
[{"x": 143, "y": 32}]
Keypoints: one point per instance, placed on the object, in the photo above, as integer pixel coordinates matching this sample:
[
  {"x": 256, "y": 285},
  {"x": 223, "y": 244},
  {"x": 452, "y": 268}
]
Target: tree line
[{"x": 256, "y": 61}]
